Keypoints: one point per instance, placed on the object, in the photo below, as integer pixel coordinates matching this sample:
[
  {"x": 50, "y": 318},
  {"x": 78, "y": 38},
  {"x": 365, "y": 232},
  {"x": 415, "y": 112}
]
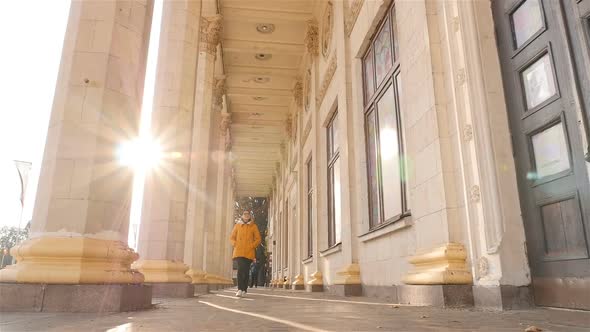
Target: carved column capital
[
  {"x": 228, "y": 144},
  {"x": 218, "y": 91},
  {"x": 288, "y": 127},
  {"x": 298, "y": 93},
  {"x": 225, "y": 123},
  {"x": 312, "y": 41},
  {"x": 210, "y": 33}
]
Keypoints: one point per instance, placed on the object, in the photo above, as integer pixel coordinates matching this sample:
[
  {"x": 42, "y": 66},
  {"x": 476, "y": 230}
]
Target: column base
[
  {"x": 173, "y": 290},
  {"x": 74, "y": 298},
  {"x": 503, "y": 297},
  {"x": 299, "y": 283},
  {"x": 444, "y": 265},
  {"x": 72, "y": 261},
  {"x": 347, "y": 282},
  {"x": 445, "y": 296},
  {"x": 197, "y": 276},
  {"x": 201, "y": 289},
  {"x": 316, "y": 283},
  {"x": 162, "y": 271},
  {"x": 314, "y": 288},
  {"x": 345, "y": 290},
  {"x": 388, "y": 293}
]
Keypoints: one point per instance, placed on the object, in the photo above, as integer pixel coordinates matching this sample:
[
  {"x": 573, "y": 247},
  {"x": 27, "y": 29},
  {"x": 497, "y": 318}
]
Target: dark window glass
[
  {"x": 383, "y": 141},
  {"x": 372, "y": 168},
  {"x": 334, "y": 195},
  {"x": 394, "y": 28},
  {"x": 369, "y": 73},
  {"x": 383, "y": 52}
]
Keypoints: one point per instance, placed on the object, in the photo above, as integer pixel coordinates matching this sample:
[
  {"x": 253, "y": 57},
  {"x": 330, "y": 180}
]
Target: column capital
[
  {"x": 228, "y": 144},
  {"x": 218, "y": 91},
  {"x": 312, "y": 40},
  {"x": 210, "y": 33},
  {"x": 225, "y": 123},
  {"x": 288, "y": 126},
  {"x": 298, "y": 93}
]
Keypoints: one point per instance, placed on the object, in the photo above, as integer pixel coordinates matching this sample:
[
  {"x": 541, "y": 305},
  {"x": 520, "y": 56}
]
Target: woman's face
[{"x": 246, "y": 216}]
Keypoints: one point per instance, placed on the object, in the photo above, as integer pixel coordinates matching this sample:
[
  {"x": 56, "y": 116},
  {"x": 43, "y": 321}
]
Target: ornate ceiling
[{"x": 263, "y": 46}]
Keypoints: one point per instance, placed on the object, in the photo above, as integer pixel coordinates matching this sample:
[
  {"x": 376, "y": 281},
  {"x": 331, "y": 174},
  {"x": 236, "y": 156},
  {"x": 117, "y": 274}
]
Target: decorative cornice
[
  {"x": 218, "y": 91},
  {"x": 312, "y": 40},
  {"x": 329, "y": 74},
  {"x": 352, "y": 13},
  {"x": 210, "y": 33},
  {"x": 298, "y": 93}
]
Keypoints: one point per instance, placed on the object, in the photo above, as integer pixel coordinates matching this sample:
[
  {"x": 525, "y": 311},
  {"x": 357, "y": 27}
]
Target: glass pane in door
[
  {"x": 550, "y": 151},
  {"x": 527, "y": 20},
  {"x": 539, "y": 82}
]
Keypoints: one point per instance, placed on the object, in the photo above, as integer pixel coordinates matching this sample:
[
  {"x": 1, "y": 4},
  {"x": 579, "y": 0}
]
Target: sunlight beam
[{"x": 150, "y": 149}]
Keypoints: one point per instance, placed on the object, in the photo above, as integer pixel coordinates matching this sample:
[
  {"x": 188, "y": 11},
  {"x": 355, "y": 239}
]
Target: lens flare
[{"x": 140, "y": 154}]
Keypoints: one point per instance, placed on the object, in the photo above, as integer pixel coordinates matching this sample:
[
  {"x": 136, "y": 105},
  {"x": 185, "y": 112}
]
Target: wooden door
[{"x": 545, "y": 96}]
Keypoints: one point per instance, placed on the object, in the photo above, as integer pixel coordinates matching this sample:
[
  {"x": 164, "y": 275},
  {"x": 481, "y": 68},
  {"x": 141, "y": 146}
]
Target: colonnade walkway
[{"x": 281, "y": 310}]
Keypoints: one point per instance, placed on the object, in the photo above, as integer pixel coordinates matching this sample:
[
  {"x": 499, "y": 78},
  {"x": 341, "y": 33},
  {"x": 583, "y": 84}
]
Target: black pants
[
  {"x": 243, "y": 272},
  {"x": 254, "y": 279}
]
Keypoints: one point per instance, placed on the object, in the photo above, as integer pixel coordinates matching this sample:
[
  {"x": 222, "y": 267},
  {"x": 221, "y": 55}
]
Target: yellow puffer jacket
[{"x": 245, "y": 238}]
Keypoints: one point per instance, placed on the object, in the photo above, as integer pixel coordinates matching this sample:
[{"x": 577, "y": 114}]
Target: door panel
[{"x": 544, "y": 96}]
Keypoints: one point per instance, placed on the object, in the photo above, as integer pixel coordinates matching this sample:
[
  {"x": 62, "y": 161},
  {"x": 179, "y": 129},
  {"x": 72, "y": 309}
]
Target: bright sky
[{"x": 31, "y": 35}]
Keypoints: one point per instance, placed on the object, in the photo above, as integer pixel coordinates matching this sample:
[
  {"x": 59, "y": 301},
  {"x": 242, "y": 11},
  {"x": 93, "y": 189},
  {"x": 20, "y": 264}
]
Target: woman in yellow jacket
[{"x": 245, "y": 237}]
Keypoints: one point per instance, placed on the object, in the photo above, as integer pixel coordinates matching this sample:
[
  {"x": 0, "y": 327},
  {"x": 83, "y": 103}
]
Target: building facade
[
  {"x": 417, "y": 156},
  {"x": 429, "y": 152}
]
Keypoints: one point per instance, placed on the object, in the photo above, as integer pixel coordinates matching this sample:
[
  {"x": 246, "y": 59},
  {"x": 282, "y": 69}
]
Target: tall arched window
[{"x": 384, "y": 146}]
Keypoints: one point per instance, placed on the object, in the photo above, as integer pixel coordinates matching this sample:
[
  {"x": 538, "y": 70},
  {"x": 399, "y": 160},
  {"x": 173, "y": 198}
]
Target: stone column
[
  {"x": 210, "y": 256},
  {"x": 228, "y": 226},
  {"x": 219, "y": 239},
  {"x": 162, "y": 231},
  {"x": 210, "y": 33},
  {"x": 78, "y": 243}
]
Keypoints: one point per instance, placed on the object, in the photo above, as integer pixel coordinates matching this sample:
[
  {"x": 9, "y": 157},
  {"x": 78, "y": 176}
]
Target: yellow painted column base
[
  {"x": 286, "y": 282},
  {"x": 299, "y": 280},
  {"x": 72, "y": 260},
  {"x": 162, "y": 271},
  {"x": 197, "y": 276},
  {"x": 349, "y": 275},
  {"x": 214, "y": 279},
  {"x": 444, "y": 265},
  {"x": 316, "y": 279}
]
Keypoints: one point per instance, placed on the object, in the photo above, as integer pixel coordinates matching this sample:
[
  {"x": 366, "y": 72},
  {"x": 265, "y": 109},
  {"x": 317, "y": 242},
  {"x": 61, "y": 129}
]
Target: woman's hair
[{"x": 250, "y": 213}]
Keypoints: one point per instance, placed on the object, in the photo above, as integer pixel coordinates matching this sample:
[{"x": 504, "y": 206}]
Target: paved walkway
[{"x": 277, "y": 310}]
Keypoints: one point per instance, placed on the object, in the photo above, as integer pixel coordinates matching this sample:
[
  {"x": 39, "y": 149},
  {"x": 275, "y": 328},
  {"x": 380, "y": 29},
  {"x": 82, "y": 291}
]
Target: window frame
[
  {"x": 333, "y": 157},
  {"x": 370, "y": 104}
]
